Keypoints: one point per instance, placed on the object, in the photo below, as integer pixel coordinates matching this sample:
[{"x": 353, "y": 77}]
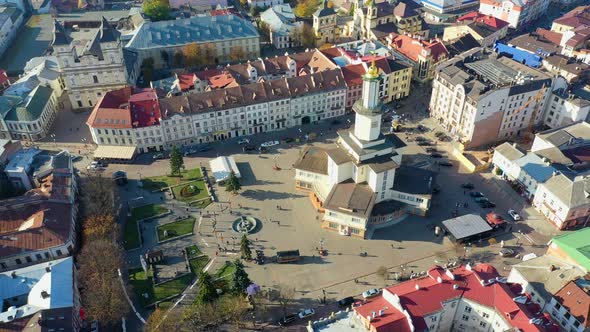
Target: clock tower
[{"x": 368, "y": 109}]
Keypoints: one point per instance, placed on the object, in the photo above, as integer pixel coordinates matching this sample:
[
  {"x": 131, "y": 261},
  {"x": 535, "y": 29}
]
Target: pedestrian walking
[{"x": 217, "y": 253}]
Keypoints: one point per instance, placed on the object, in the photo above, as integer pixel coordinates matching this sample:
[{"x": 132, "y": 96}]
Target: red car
[{"x": 495, "y": 220}]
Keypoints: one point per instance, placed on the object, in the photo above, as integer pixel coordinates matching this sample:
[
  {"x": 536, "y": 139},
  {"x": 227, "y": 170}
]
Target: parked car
[
  {"x": 371, "y": 293},
  {"x": 476, "y": 194},
  {"x": 95, "y": 166},
  {"x": 436, "y": 189},
  {"x": 480, "y": 199},
  {"x": 335, "y": 122},
  {"x": 515, "y": 216},
  {"x": 243, "y": 141},
  {"x": 420, "y": 139},
  {"x": 467, "y": 185},
  {"x": 439, "y": 134},
  {"x": 269, "y": 144},
  {"x": 424, "y": 143},
  {"x": 287, "y": 139},
  {"x": 487, "y": 204},
  {"x": 444, "y": 138},
  {"x": 263, "y": 149},
  {"x": 495, "y": 220},
  {"x": 158, "y": 156},
  {"x": 190, "y": 151},
  {"x": 287, "y": 320},
  {"x": 120, "y": 177},
  {"x": 345, "y": 302},
  {"x": 445, "y": 163},
  {"x": 423, "y": 128},
  {"x": 436, "y": 155},
  {"x": 204, "y": 147},
  {"x": 506, "y": 252},
  {"x": 306, "y": 313},
  {"x": 248, "y": 147},
  {"x": 430, "y": 150}
]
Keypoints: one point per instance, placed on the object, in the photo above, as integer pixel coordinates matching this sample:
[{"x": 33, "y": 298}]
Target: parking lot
[{"x": 289, "y": 221}]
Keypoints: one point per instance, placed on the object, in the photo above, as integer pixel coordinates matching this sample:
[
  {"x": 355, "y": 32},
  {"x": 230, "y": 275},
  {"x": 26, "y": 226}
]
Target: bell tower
[{"x": 367, "y": 125}]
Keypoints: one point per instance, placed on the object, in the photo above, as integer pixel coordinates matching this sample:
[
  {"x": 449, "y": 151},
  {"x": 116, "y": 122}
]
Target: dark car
[
  {"x": 436, "y": 189},
  {"x": 444, "y": 138},
  {"x": 422, "y": 128},
  {"x": 248, "y": 147},
  {"x": 204, "y": 147},
  {"x": 120, "y": 178},
  {"x": 436, "y": 155},
  {"x": 487, "y": 205},
  {"x": 467, "y": 185},
  {"x": 476, "y": 194},
  {"x": 263, "y": 149},
  {"x": 424, "y": 143},
  {"x": 335, "y": 122},
  {"x": 345, "y": 302},
  {"x": 287, "y": 320},
  {"x": 430, "y": 150},
  {"x": 287, "y": 139},
  {"x": 445, "y": 163},
  {"x": 420, "y": 139}
]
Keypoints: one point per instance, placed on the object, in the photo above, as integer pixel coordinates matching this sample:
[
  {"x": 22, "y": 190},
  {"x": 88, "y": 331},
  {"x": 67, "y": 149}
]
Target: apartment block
[{"x": 482, "y": 98}]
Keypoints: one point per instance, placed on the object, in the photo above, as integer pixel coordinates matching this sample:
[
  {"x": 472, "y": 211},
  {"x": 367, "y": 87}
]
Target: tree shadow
[{"x": 263, "y": 195}]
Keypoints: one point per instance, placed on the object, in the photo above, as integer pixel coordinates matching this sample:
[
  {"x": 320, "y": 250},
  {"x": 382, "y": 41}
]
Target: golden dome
[{"x": 373, "y": 71}]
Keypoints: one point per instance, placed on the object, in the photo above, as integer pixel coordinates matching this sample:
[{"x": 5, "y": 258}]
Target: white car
[
  {"x": 306, "y": 313},
  {"x": 371, "y": 293},
  {"x": 269, "y": 144},
  {"x": 514, "y": 215},
  {"x": 95, "y": 166},
  {"x": 244, "y": 141}
]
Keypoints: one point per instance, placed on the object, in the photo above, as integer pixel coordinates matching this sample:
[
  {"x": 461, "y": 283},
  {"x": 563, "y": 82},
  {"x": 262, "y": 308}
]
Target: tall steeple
[{"x": 368, "y": 109}]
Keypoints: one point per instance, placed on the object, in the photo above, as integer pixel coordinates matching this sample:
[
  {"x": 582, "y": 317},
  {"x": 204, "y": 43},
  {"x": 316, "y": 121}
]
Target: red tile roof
[
  {"x": 577, "y": 17},
  {"x": 223, "y": 80},
  {"x": 488, "y": 20},
  {"x": 412, "y": 47},
  {"x": 225, "y": 11},
  {"x": 128, "y": 107},
  {"x": 353, "y": 74},
  {"x": 552, "y": 36},
  {"x": 576, "y": 300},
  {"x": 186, "y": 81},
  {"x": 424, "y": 296}
]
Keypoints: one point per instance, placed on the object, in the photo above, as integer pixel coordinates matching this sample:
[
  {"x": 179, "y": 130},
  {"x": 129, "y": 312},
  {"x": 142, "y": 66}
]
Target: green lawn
[
  {"x": 131, "y": 236},
  {"x": 202, "y": 203},
  {"x": 226, "y": 272},
  {"x": 163, "y": 181},
  {"x": 177, "y": 228},
  {"x": 197, "y": 264},
  {"x": 142, "y": 284},
  {"x": 198, "y": 188},
  {"x": 193, "y": 251}
]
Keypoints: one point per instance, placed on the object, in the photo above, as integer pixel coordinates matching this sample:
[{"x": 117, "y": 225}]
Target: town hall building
[{"x": 361, "y": 184}]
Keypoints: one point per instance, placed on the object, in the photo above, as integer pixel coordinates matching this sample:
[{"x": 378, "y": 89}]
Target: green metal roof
[
  {"x": 576, "y": 245},
  {"x": 33, "y": 107}
]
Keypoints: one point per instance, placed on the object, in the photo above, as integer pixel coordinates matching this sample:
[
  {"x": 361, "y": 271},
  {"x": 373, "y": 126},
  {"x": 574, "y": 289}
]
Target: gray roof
[
  {"x": 545, "y": 280},
  {"x": 465, "y": 226},
  {"x": 313, "y": 160},
  {"x": 196, "y": 29},
  {"x": 414, "y": 180},
  {"x": 571, "y": 192},
  {"x": 509, "y": 151},
  {"x": 280, "y": 19},
  {"x": 562, "y": 135},
  {"x": 535, "y": 167},
  {"x": 348, "y": 197}
]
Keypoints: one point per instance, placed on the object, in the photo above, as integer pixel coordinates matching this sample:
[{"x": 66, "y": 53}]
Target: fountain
[{"x": 245, "y": 224}]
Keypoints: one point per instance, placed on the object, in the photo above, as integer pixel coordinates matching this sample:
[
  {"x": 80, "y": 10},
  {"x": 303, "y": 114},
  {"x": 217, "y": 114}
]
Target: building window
[
  {"x": 485, "y": 315},
  {"x": 482, "y": 324},
  {"x": 95, "y": 78},
  {"x": 28, "y": 259},
  {"x": 467, "y": 309},
  {"x": 58, "y": 252},
  {"x": 465, "y": 318},
  {"x": 46, "y": 255},
  {"x": 333, "y": 225},
  {"x": 38, "y": 257},
  {"x": 355, "y": 230},
  {"x": 18, "y": 261}
]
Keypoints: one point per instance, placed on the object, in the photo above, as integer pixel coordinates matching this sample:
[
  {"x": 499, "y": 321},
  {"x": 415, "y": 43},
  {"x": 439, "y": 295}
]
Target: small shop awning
[
  {"x": 222, "y": 168},
  {"x": 115, "y": 152}
]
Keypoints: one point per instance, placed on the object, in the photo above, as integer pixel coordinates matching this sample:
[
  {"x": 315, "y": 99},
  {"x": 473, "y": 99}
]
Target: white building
[
  {"x": 519, "y": 13},
  {"x": 570, "y": 305},
  {"x": 90, "y": 58},
  {"x": 264, "y": 3},
  {"x": 153, "y": 124},
  {"x": 565, "y": 108},
  {"x": 482, "y": 98},
  {"x": 281, "y": 22},
  {"x": 348, "y": 182},
  {"x": 11, "y": 19}
]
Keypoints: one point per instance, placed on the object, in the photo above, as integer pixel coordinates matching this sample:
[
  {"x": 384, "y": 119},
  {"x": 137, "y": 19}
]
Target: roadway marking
[{"x": 205, "y": 242}]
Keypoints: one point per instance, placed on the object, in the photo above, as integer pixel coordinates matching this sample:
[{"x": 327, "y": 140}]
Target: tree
[
  {"x": 208, "y": 51},
  {"x": 100, "y": 226},
  {"x": 233, "y": 184},
  {"x": 157, "y": 10},
  {"x": 245, "y": 250},
  {"x": 102, "y": 295},
  {"x": 264, "y": 30},
  {"x": 210, "y": 316},
  {"x": 303, "y": 35},
  {"x": 165, "y": 57},
  {"x": 283, "y": 294},
  {"x": 178, "y": 59},
  {"x": 237, "y": 53},
  {"x": 306, "y": 8},
  {"x": 240, "y": 280},
  {"x": 162, "y": 320},
  {"x": 207, "y": 292},
  {"x": 192, "y": 55},
  {"x": 233, "y": 309},
  {"x": 97, "y": 195},
  {"x": 176, "y": 161},
  {"x": 383, "y": 273},
  {"x": 147, "y": 69}
]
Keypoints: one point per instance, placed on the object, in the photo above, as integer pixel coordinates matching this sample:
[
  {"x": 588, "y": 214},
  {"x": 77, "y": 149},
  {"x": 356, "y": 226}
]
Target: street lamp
[
  {"x": 85, "y": 141},
  {"x": 53, "y": 136}
]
